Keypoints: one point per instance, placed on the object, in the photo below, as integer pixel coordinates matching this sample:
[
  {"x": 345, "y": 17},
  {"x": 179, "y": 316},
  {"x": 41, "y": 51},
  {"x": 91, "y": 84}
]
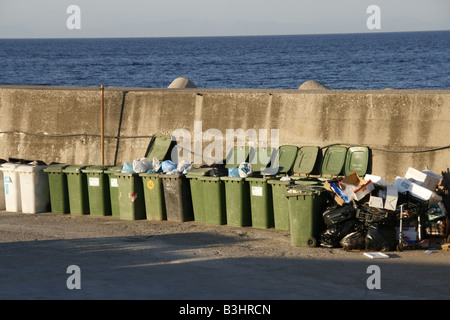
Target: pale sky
[{"x": 141, "y": 18}]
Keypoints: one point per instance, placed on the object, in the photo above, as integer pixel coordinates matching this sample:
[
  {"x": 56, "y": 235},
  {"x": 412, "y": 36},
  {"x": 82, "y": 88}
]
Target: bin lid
[
  {"x": 333, "y": 160},
  {"x": 283, "y": 159},
  {"x": 300, "y": 190},
  {"x": 305, "y": 160},
  {"x": 198, "y": 172},
  {"x": 95, "y": 169},
  {"x": 261, "y": 157},
  {"x": 357, "y": 160},
  {"x": 236, "y": 156},
  {"x": 114, "y": 169},
  {"x": 158, "y": 147},
  {"x": 9, "y": 166},
  {"x": 74, "y": 168},
  {"x": 30, "y": 168},
  {"x": 56, "y": 167}
]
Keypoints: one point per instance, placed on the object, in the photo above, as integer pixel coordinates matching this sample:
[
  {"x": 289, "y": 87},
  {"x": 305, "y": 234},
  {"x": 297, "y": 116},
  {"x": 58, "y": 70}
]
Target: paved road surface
[{"x": 168, "y": 260}]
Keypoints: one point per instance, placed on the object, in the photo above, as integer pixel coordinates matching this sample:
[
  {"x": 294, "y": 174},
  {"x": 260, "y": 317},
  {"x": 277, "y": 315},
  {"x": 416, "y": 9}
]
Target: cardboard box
[
  {"x": 432, "y": 180},
  {"x": 376, "y": 202},
  {"x": 375, "y": 179},
  {"x": 409, "y": 233},
  {"x": 364, "y": 188},
  {"x": 416, "y": 190},
  {"x": 361, "y": 186},
  {"x": 426, "y": 178},
  {"x": 391, "y": 198}
]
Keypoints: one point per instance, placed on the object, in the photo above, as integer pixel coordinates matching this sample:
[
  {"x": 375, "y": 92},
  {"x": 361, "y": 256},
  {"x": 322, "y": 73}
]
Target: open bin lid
[
  {"x": 283, "y": 159},
  {"x": 158, "y": 147},
  {"x": 261, "y": 158},
  {"x": 305, "y": 160},
  {"x": 333, "y": 160},
  {"x": 236, "y": 156},
  {"x": 357, "y": 160}
]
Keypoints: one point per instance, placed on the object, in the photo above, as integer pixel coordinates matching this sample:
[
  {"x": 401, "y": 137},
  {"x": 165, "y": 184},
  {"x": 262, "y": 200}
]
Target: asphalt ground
[{"x": 163, "y": 260}]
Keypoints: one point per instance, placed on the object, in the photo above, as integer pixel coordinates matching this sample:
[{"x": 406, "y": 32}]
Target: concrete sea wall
[{"x": 63, "y": 124}]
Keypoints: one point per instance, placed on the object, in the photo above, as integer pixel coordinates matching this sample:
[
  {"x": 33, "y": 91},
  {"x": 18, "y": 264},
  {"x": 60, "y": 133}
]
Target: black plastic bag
[
  {"x": 355, "y": 240},
  {"x": 380, "y": 237},
  {"x": 218, "y": 170},
  {"x": 337, "y": 214},
  {"x": 333, "y": 234}
]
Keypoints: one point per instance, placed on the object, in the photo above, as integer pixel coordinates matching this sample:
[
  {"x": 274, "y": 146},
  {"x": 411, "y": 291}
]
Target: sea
[{"x": 366, "y": 61}]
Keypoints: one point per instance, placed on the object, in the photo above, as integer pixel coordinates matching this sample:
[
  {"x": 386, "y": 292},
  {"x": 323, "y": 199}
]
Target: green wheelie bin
[
  {"x": 155, "y": 206},
  {"x": 131, "y": 196},
  {"x": 177, "y": 197},
  {"x": 260, "y": 192},
  {"x": 113, "y": 189},
  {"x": 59, "y": 192},
  {"x": 78, "y": 189},
  {"x": 98, "y": 190},
  {"x": 214, "y": 200},
  {"x": 237, "y": 195},
  {"x": 306, "y": 205},
  {"x": 197, "y": 194}
]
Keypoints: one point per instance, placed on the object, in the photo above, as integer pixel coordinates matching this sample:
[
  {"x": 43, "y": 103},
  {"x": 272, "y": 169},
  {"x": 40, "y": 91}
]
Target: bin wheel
[
  {"x": 312, "y": 242},
  {"x": 400, "y": 247}
]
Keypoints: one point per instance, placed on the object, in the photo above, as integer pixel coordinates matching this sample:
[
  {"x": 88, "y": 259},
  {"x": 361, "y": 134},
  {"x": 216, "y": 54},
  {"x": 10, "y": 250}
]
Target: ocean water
[{"x": 410, "y": 60}]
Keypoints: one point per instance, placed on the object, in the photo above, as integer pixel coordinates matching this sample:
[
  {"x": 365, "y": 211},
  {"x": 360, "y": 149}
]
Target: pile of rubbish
[
  {"x": 166, "y": 167},
  {"x": 370, "y": 214},
  {"x": 142, "y": 165}
]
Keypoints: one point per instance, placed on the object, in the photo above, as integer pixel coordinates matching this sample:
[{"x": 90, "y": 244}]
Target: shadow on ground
[{"x": 199, "y": 266}]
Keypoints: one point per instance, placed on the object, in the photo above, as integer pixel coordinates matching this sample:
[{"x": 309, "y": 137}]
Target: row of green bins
[{"x": 306, "y": 204}]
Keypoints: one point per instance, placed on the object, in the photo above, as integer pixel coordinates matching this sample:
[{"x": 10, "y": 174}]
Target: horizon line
[{"x": 219, "y": 36}]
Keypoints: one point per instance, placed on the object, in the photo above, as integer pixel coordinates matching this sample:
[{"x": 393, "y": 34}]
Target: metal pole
[{"x": 102, "y": 127}]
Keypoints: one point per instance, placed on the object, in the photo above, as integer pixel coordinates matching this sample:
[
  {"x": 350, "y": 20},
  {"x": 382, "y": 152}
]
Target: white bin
[
  {"x": 34, "y": 188},
  {"x": 2, "y": 190},
  {"x": 12, "y": 187}
]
